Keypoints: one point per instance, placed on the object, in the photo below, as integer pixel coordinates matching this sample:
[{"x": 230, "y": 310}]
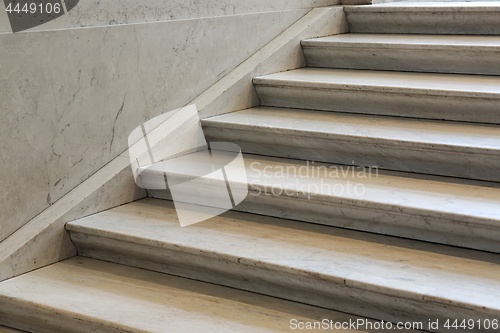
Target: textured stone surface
[
  {"x": 69, "y": 98},
  {"x": 413, "y": 145},
  {"x": 375, "y": 276},
  {"x": 460, "y": 18},
  {"x": 398, "y": 52},
  {"x": 43, "y": 241},
  {"x": 417, "y": 95},
  {"x": 437, "y": 209},
  {"x": 236, "y": 91},
  {"x": 91, "y": 13},
  {"x": 84, "y": 295}
]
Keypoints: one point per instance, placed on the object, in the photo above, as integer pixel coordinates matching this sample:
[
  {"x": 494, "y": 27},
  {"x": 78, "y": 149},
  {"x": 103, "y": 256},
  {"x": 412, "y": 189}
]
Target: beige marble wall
[
  {"x": 91, "y": 13},
  {"x": 69, "y": 98}
]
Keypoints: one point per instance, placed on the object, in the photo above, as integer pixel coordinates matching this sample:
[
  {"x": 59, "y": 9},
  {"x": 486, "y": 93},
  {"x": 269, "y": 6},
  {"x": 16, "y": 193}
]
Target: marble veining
[
  {"x": 423, "y": 146},
  {"x": 417, "y": 132},
  {"x": 83, "y": 291},
  {"x": 460, "y": 18},
  {"x": 327, "y": 258},
  {"x": 463, "y": 213},
  {"x": 437, "y": 84},
  {"x": 236, "y": 91},
  {"x": 69, "y": 98},
  {"x": 4, "y": 329},
  {"x": 416, "y": 95},
  {"x": 43, "y": 241},
  {"x": 92, "y": 13},
  {"x": 406, "y": 52},
  {"x": 425, "y": 193}
]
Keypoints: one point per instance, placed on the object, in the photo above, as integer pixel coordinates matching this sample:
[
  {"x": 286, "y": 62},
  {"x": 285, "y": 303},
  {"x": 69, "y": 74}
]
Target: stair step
[
  {"x": 471, "y": 98},
  {"x": 435, "y": 209},
  {"x": 85, "y": 295},
  {"x": 375, "y": 276},
  {"x": 414, "y": 53},
  {"x": 412, "y": 145},
  {"x": 460, "y": 18}
]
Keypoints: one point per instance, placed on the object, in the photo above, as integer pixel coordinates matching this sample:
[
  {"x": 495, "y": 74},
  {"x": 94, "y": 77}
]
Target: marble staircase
[{"x": 373, "y": 193}]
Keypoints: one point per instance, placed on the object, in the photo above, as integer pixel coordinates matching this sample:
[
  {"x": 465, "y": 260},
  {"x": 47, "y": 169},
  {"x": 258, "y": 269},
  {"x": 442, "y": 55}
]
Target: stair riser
[
  {"x": 420, "y": 22},
  {"x": 442, "y": 160},
  {"x": 393, "y": 103},
  {"x": 417, "y": 224},
  {"x": 272, "y": 280},
  {"x": 418, "y": 59}
]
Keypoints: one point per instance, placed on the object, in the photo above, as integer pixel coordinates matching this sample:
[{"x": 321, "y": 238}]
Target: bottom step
[
  {"x": 373, "y": 276},
  {"x": 86, "y": 295},
  {"x": 4, "y": 329}
]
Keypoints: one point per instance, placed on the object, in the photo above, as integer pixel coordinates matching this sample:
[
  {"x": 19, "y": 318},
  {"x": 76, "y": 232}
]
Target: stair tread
[
  {"x": 423, "y": 83},
  {"x": 415, "y": 132},
  {"x": 382, "y": 264},
  {"x": 431, "y": 195},
  {"x": 404, "y": 40},
  {"x": 134, "y": 300}
]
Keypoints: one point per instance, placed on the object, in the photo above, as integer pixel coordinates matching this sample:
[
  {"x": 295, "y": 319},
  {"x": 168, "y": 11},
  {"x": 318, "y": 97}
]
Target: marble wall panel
[
  {"x": 90, "y": 13},
  {"x": 69, "y": 98}
]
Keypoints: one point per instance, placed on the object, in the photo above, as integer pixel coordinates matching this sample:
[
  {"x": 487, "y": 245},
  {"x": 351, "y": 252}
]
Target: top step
[{"x": 453, "y": 18}]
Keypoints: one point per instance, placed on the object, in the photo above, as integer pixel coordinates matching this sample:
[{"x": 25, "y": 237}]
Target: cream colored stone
[
  {"x": 332, "y": 268},
  {"x": 92, "y": 13},
  {"x": 414, "y": 145},
  {"x": 437, "y": 209},
  {"x": 43, "y": 241},
  {"x": 236, "y": 91},
  {"x": 398, "y": 52},
  {"x": 84, "y": 295},
  {"x": 460, "y": 18},
  {"x": 417, "y": 95},
  {"x": 70, "y": 98}
]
